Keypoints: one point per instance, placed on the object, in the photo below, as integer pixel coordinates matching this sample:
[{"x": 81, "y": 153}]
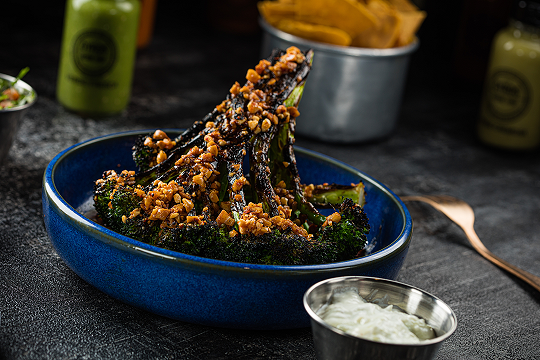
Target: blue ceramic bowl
[{"x": 195, "y": 289}]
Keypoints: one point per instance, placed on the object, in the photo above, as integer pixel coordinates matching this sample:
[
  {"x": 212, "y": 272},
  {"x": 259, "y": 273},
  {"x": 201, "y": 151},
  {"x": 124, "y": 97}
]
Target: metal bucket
[{"x": 352, "y": 94}]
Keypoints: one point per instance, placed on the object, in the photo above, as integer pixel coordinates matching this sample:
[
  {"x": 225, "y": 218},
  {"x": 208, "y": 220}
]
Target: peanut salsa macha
[{"x": 228, "y": 187}]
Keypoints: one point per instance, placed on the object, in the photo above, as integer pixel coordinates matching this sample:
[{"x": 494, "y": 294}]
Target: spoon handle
[{"x": 529, "y": 278}]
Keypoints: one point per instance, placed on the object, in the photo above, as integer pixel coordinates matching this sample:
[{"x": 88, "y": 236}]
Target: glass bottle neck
[
  {"x": 522, "y": 30},
  {"x": 524, "y": 27}
]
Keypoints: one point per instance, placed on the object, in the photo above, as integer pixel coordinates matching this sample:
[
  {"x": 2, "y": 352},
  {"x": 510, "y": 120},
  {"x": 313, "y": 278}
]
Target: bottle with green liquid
[
  {"x": 510, "y": 109},
  {"x": 98, "y": 55}
]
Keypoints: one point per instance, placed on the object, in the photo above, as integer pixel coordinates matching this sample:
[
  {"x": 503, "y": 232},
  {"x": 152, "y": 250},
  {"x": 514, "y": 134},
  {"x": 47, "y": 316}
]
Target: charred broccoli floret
[
  {"x": 347, "y": 231},
  {"x": 194, "y": 193},
  {"x": 273, "y": 248},
  {"x": 118, "y": 203}
]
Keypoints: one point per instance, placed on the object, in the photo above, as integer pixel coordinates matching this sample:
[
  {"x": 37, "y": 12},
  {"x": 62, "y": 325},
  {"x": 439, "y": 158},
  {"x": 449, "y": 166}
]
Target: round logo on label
[
  {"x": 508, "y": 95},
  {"x": 94, "y": 52}
]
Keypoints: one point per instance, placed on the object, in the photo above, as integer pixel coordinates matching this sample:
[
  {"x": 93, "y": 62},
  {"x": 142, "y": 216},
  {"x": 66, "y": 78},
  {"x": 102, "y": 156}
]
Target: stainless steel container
[
  {"x": 10, "y": 119},
  {"x": 332, "y": 343},
  {"x": 352, "y": 94}
]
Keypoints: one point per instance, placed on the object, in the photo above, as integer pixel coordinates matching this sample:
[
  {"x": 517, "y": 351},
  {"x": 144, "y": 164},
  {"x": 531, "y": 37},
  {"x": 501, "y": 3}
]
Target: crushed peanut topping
[
  {"x": 332, "y": 218},
  {"x": 172, "y": 203}
]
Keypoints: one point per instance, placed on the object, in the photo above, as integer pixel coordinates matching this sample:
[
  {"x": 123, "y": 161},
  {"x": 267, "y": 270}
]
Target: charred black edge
[
  {"x": 260, "y": 171},
  {"x": 259, "y": 156},
  {"x": 235, "y": 157},
  {"x": 293, "y": 168}
]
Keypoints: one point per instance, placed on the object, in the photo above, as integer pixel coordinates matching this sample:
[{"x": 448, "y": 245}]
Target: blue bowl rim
[{"x": 179, "y": 259}]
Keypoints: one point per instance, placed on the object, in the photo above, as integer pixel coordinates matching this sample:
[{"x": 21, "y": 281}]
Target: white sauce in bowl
[{"x": 349, "y": 312}]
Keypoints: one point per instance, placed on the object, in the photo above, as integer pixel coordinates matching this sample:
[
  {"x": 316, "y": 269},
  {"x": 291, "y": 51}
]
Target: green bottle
[
  {"x": 97, "y": 56},
  {"x": 510, "y": 109}
]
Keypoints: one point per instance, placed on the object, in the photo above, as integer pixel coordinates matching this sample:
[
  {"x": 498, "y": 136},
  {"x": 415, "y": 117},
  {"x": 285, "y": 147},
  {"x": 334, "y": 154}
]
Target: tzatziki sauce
[{"x": 349, "y": 312}]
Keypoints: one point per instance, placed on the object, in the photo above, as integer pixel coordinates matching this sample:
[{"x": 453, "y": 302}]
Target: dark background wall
[{"x": 455, "y": 37}]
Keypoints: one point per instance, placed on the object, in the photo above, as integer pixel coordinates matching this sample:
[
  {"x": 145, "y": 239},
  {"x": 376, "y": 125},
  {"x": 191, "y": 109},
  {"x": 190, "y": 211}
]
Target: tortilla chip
[
  {"x": 369, "y": 23},
  {"x": 410, "y": 23},
  {"x": 319, "y": 33},
  {"x": 274, "y": 11},
  {"x": 403, "y": 5},
  {"x": 386, "y": 34},
  {"x": 347, "y": 15}
]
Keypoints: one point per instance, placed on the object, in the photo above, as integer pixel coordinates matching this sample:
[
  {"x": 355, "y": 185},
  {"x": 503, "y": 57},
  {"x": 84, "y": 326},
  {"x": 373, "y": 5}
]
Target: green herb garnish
[
  {"x": 21, "y": 75},
  {"x": 9, "y": 96}
]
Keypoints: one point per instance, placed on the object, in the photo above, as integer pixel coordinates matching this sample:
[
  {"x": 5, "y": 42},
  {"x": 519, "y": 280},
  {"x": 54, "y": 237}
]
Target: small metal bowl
[
  {"x": 332, "y": 343},
  {"x": 10, "y": 119},
  {"x": 352, "y": 94}
]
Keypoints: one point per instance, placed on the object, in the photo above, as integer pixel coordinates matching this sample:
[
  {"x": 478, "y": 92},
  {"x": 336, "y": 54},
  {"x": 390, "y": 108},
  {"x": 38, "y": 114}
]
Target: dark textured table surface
[{"x": 48, "y": 312}]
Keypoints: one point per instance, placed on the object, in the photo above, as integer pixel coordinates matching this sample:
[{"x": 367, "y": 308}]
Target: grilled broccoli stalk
[
  {"x": 328, "y": 195},
  {"x": 150, "y": 147},
  {"x": 194, "y": 193}
]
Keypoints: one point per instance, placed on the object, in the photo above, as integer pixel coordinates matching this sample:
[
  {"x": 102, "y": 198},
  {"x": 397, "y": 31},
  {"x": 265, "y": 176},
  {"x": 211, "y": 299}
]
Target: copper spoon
[{"x": 463, "y": 215}]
